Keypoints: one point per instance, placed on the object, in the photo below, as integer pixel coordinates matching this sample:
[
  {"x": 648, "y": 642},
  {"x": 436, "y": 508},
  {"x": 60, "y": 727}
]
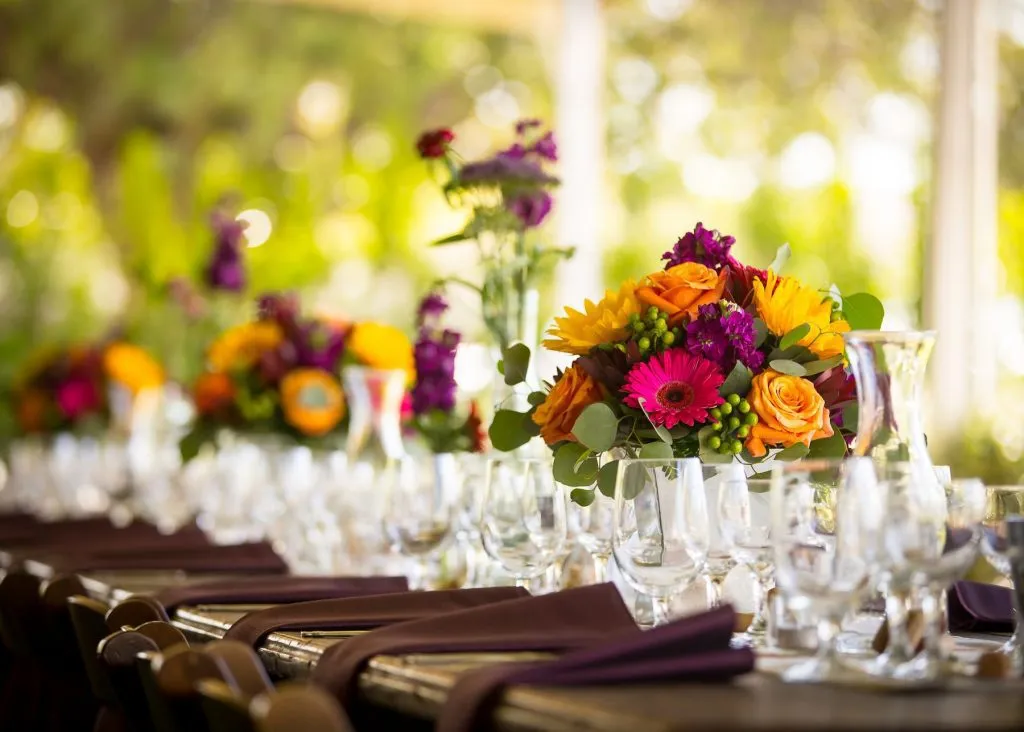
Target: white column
[
  {"x": 961, "y": 256},
  {"x": 579, "y": 127}
]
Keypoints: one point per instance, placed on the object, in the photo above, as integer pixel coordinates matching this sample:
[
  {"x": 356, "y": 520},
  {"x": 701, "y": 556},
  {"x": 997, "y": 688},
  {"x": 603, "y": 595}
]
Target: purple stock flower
[
  {"x": 524, "y": 125},
  {"x": 319, "y": 346},
  {"x": 724, "y": 333},
  {"x": 704, "y": 246},
  {"x": 546, "y": 148},
  {"x": 531, "y": 208},
  {"x": 504, "y": 168},
  {"x": 226, "y": 270},
  {"x": 434, "y": 356},
  {"x": 432, "y": 306}
]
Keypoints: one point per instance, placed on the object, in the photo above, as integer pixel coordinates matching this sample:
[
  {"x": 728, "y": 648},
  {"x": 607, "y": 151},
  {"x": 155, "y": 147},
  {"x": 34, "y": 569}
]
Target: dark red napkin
[
  {"x": 692, "y": 649},
  {"x": 278, "y": 590},
  {"x": 559, "y": 622},
  {"x": 980, "y": 608},
  {"x": 257, "y": 557},
  {"x": 361, "y": 613}
]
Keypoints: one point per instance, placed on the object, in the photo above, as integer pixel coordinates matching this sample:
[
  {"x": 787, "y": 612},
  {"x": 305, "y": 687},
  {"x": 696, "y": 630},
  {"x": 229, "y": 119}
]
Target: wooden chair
[
  {"x": 177, "y": 675},
  {"x": 135, "y": 611},
  {"x": 225, "y": 709},
  {"x": 67, "y": 687},
  {"x": 118, "y": 657},
  {"x": 88, "y": 618},
  {"x": 243, "y": 666},
  {"x": 299, "y": 707},
  {"x": 165, "y": 635}
]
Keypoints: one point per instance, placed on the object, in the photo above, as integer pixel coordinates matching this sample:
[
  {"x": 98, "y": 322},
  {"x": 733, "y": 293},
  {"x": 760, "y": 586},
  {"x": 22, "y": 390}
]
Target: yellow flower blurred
[
  {"x": 783, "y": 303},
  {"x": 602, "y": 322},
  {"x": 380, "y": 346},
  {"x": 132, "y": 367},
  {"x": 241, "y": 346},
  {"x": 312, "y": 401}
]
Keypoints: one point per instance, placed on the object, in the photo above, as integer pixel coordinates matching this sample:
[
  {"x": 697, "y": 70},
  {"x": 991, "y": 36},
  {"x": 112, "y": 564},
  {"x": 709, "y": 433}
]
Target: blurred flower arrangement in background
[{"x": 77, "y": 388}]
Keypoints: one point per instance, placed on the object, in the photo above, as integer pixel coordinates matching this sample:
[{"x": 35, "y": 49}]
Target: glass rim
[
  {"x": 664, "y": 460},
  {"x": 814, "y": 464},
  {"x": 1001, "y": 488},
  {"x": 517, "y": 459},
  {"x": 877, "y": 336}
]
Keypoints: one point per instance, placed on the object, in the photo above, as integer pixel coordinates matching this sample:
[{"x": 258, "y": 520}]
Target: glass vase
[
  {"x": 889, "y": 369},
  {"x": 375, "y": 418}
]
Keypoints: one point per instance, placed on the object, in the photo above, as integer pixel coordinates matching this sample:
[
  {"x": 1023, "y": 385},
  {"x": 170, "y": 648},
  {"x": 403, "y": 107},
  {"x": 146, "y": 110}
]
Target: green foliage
[
  {"x": 515, "y": 363},
  {"x": 785, "y": 366},
  {"x": 575, "y": 465},
  {"x": 738, "y": 380},
  {"x": 596, "y": 427},
  {"x": 509, "y": 431},
  {"x": 863, "y": 311},
  {"x": 794, "y": 336}
]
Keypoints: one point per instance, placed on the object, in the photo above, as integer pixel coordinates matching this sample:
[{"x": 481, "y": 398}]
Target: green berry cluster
[
  {"x": 837, "y": 312},
  {"x": 651, "y": 332},
  {"x": 731, "y": 421}
]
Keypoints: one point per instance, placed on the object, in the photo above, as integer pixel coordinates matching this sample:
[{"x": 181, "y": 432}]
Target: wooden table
[{"x": 416, "y": 686}]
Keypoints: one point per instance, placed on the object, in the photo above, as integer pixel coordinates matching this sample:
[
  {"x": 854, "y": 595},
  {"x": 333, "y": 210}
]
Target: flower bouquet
[
  {"x": 509, "y": 197},
  {"x": 706, "y": 358},
  {"x": 77, "y": 388}
]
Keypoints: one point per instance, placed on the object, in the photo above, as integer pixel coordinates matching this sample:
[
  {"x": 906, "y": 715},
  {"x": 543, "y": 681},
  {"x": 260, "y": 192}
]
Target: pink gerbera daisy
[{"x": 674, "y": 387}]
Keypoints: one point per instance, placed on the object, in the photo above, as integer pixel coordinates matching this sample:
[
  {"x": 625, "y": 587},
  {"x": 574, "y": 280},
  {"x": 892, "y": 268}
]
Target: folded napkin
[
  {"x": 692, "y": 649},
  {"x": 361, "y": 613},
  {"x": 277, "y": 590},
  {"x": 239, "y": 558},
  {"x": 980, "y": 608},
  {"x": 560, "y": 621}
]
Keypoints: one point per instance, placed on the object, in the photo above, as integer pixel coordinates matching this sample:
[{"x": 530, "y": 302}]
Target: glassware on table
[
  {"x": 660, "y": 542},
  {"x": 744, "y": 518},
  {"x": 825, "y": 520},
  {"x": 720, "y": 560},
  {"x": 594, "y": 525},
  {"x": 523, "y": 516},
  {"x": 1004, "y": 504}
]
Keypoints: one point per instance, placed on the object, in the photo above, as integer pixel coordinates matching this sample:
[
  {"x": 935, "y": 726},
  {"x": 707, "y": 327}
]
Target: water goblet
[
  {"x": 720, "y": 560},
  {"x": 744, "y": 519},
  {"x": 523, "y": 516},
  {"x": 594, "y": 525},
  {"x": 660, "y": 541},
  {"x": 1004, "y": 503},
  {"x": 824, "y": 521}
]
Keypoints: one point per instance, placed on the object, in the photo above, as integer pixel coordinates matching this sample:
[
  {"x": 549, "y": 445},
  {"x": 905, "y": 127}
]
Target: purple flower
[
  {"x": 524, "y": 125},
  {"x": 704, "y": 246},
  {"x": 503, "y": 169},
  {"x": 432, "y": 306},
  {"x": 724, "y": 333},
  {"x": 530, "y": 208},
  {"x": 319, "y": 346},
  {"x": 546, "y": 148},
  {"x": 226, "y": 270},
  {"x": 434, "y": 356}
]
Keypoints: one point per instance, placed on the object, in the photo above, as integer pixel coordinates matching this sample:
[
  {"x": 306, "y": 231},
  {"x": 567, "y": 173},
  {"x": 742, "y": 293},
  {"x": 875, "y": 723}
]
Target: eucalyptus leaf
[
  {"x": 785, "y": 366},
  {"x": 529, "y": 426},
  {"x": 536, "y": 398},
  {"x": 596, "y": 427},
  {"x": 507, "y": 430},
  {"x": 193, "y": 441},
  {"x": 574, "y": 465},
  {"x": 656, "y": 451},
  {"x": 794, "y": 336},
  {"x": 863, "y": 311},
  {"x": 663, "y": 434},
  {"x": 607, "y": 476},
  {"x": 517, "y": 362},
  {"x": 761, "y": 331},
  {"x": 793, "y": 452},
  {"x": 582, "y": 496},
  {"x": 828, "y": 447},
  {"x": 819, "y": 367},
  {"x": 851, "y": 416},
  {"x": 738, "y": 380},
  {"x": 781, "y": 257},
  {"x": 633, "y": 478}
]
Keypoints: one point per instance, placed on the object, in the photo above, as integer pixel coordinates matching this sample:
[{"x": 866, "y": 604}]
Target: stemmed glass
[
  {"x": 744, "y": 519},
  {"x": 420, "y": 497},
  {"x": 594, "y": 525},
  {"x": 523, "y": 516},
  {"x": 660, "y": 542},
  {"x": 825, "y": 517},
  {"x": 1004, "y": 503},
  {"x": 720, "y": 560}
]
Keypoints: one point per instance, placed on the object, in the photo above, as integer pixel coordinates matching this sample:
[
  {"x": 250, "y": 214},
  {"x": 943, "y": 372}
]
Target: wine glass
[
  {"x": 744, "y": 519},
  {"x": 594, "y": 525},
  {"x": 420, "y": 499},
  {"x": 720, "y": 560},
  {"x": 660, "y": 542},
  {"x": 825, "y": 516},
  {"x": 523, "y": 516},
  {"x": 1004, "y": 503}
]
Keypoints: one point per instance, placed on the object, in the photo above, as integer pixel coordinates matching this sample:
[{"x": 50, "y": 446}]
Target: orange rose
[
  {"x": 789, "y": 410},
  {"x": 312, "y": 401},
  {"x": 681, "y": 290},
  {"x": 573, "y": 393},
  {"x": 213, "y": 392}
]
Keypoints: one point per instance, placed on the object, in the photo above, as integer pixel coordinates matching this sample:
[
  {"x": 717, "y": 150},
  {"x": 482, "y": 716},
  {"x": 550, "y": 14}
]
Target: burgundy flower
[
  {"x": 435, "y": 143},
  {"x": 319, "y": 346},
  {"x": 77, "y": 397},
  {"x": 741, "y": 282}
]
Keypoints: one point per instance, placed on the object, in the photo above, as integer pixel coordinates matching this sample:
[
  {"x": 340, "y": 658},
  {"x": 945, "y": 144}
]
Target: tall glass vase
[
  {"x": 375, "y": 416},
  {"x": 889, "y": 368}
]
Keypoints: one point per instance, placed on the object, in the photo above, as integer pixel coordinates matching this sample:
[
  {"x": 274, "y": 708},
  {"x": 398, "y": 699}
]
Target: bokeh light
[{"x": 258, "y": 226}]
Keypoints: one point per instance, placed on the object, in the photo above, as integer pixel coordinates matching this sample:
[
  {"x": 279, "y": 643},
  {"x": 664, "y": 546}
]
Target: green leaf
[
  {"x": 536, "y": 398},
  {"x": 501, "y": 366},
  {"x": 574, "y": 465},
  {"x": 663, "y": 434},
  {"x": 454, "y": 238},
  {"x": 507, "y": 431},
  {"x": 762, "y": 332},
  {"x": 529, "y": 426},
  {"x": 656, "y": 451},
  {"x": 738, "y": 381},
  {"x": 851, "y": 416},
  {"x": 828, "y": 447},
  {"x": 781, "y": 257},
  {"x": 793, "y": 452},
  {"x": 582, "y": 496},
  {"x": 785, "y": 366},
  {"x": 517, "y": 361},
  {"x": 606, "y": 478},
  {"x": 794, "y": 336},
  {"x": 863, "y": 311},
  {"x": 596, "y": 427},
  {"x": 818, "y": 367},
  {"x": 634, "y": 478},
  {"x": 190, "y": 445}
]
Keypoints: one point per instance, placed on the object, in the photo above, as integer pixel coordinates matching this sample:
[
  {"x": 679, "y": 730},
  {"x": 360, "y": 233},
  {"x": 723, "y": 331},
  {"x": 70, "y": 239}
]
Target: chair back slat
[
  {"x": 243, "y": 665},
  {"x": 119, "y": 656},
  {"x": 177, "y": 675},
  {"x": 162, "y": 633},
  {"x": 88, "y": 618},
  {"x": 225, "y": 710},
  {"x": 299, "y": 707},
  {"x": 135, "y": 611}
]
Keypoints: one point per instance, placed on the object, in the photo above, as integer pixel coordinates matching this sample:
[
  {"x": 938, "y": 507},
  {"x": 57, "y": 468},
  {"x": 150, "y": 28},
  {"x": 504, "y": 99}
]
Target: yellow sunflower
[
  {"x": 132, "y": 367},
  {"x": 241, "y": 346},
  {"x": 784, "y": 303},
  {"x": 602, "y": 322},
  {"x": 380, "y": 346}
]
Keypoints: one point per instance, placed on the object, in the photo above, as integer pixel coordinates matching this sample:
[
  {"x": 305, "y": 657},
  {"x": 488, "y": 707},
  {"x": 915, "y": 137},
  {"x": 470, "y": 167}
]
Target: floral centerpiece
[
  {"x": 72, "y": 389},
  {"x": 276, "y": 374},
  {"x": 509, "y": 197},
  {"x": 708, "y": 357}
]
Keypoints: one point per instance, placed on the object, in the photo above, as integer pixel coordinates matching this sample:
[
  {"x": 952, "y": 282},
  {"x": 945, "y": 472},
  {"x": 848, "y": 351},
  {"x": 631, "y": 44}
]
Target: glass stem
[
  {"x": 715, "y": 587},
  {"x": 933, "y": 608},
  {"x": 828, "y": 631},
  {"x": 898, "y": 649},
  {"x": 662, "y": 607},
  {"x": 601, "y": 568},
  {"x": 759, "y": 623}
]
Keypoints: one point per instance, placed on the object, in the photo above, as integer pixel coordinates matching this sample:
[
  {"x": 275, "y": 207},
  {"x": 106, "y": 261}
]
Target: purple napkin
[
  {"x": 278, "y": 590},
  {"x": 257, "y": 557},
  {"x": 361, "y": 613},
  {"x": 691, "y": 649},
  {"x": 980, "y": 608},
  {"x": 560, "y": 621}
]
